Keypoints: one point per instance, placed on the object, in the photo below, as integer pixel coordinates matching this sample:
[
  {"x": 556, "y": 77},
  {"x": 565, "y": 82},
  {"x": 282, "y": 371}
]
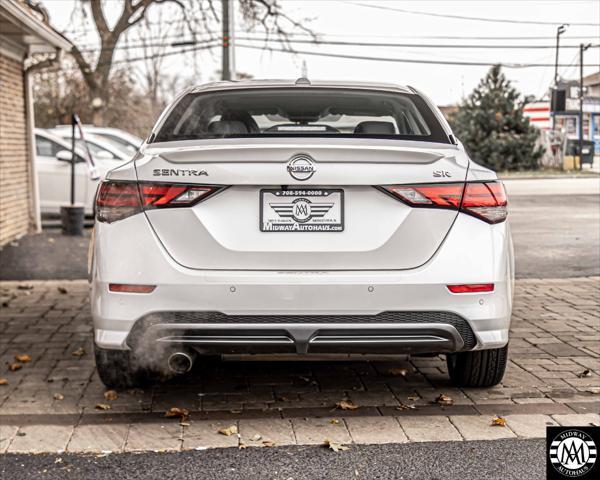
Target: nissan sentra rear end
[{"x": 265, "y": 217}]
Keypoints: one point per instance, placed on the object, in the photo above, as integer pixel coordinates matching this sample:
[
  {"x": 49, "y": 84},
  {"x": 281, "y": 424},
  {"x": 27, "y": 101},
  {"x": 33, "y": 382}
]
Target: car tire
[
  {"x": 118, "y": 369},
  {"x": 481, "y": 368}
]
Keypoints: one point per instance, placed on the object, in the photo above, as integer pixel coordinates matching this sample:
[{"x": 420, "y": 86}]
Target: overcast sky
[{"x": 349, "y": 21}]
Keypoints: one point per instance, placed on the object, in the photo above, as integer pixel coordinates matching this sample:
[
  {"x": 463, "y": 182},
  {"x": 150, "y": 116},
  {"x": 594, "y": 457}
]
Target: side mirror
[
  {"x": 104, "y": 155},
  {"x": 64, "y": 156}
]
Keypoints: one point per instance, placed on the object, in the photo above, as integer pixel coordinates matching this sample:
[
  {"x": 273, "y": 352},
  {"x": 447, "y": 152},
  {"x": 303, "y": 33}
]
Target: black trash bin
[{"x": 587, "y": 147}]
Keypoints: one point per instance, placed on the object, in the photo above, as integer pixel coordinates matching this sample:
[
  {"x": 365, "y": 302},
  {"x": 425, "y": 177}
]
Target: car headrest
[
  {"x": 227, "y": 127},
  {"x": 375, "y": 128}
]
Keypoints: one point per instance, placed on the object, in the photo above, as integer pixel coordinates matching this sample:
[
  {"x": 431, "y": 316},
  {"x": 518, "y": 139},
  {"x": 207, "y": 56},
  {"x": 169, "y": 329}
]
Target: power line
[
  {"x": 190, "y": 42},
  {"x": 478, "y": 19},
  {"x": 403, "y": 60}
]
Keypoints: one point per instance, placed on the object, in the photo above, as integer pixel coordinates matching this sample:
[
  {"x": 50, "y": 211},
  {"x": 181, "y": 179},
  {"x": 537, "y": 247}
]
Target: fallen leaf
[
  {"x": 51, "y": 240},
  {"x": 14, "y": 366},
  {"x": 25, "y": 287},
  {"x": 412, "y": 398},
  {"x": 58, "y": 396},
  {"x": 334, "y": 421},
  {"x": 346, "y": 405},
  {"x": 268, "y": 443},
  {"x": 102, "y": 406},
  {"x": 593, "y": 390},
  {"x": 242, "y": 446},
  {"x": 444, "y": 399},
  {"x": 498, "y": 422},
  {"x": 110, "y": 395},
  {"x": 62, "y": 290},
  {"x": 176, "y": 412},
  {"x": 231, "y": 430},
  {"x": 335, "y": 446},
  {"x": 397, "y": 372},
  {"x": 3, "y": 381},
  {"x": 584, "y": 374},
  {"x": 23, "y": 358},
  {"x": 21, "y": 434},
  {"x": 80, "y": 352},
  {"x": 256, "y": 437},
  {"x": 404, "y": 406}
]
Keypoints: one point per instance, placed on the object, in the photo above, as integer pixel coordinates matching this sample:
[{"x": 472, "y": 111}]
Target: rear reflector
[
  {"x": 130, "y": 288},
  {"x": 471, "y": 288},
  {"x": 484, "y": 200},
  {"x": 118, "y": 200}
]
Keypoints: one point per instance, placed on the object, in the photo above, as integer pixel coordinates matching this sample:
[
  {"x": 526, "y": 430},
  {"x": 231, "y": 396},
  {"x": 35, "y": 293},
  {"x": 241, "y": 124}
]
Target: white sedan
[{"x": 53, "y": 164}]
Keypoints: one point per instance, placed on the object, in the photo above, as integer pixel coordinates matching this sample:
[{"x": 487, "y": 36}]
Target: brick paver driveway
[{"x": 51, "y": 402}]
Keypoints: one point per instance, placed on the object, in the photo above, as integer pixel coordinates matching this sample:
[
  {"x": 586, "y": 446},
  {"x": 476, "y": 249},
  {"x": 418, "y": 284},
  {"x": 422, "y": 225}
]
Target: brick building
[{"x": 23, "y": 33}]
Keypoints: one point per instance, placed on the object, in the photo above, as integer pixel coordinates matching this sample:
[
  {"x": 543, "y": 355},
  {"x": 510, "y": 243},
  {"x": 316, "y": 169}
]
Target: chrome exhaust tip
[{"x": 180, "y": 362}]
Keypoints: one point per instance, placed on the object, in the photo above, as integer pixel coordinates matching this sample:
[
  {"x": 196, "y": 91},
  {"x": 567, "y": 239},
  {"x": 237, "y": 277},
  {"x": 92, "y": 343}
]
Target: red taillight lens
[
  {"x": 484, "y": 200},
  {"x": 472, "y": 288},
  {"x": 130, "y": 288},
  {"x": 118, "y": 200}
]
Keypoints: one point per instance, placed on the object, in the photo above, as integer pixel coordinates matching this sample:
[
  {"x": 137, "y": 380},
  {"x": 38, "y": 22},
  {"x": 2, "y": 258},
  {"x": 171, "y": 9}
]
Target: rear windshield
[{"x": 301, "y": 112}]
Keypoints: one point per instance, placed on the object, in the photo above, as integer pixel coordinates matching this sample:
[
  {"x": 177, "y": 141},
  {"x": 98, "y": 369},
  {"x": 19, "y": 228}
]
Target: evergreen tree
[{"x": 491, "y": 125}]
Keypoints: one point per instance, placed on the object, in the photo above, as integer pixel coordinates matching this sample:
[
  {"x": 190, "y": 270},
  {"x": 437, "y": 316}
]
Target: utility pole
[
  {"x": 559, "y": 31},
  {"x": 228, "y": 66},
  {"x": 582, "y": 48}
]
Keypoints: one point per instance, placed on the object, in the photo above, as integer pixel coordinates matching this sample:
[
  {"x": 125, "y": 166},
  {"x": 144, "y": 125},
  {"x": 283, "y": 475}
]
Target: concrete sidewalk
[{"x": 52, "y": 402}]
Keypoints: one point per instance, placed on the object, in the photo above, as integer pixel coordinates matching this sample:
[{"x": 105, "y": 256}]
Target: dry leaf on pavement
[
  {"x": 412, "y": 398},
  {"x": 498, "y": 422},
  {"x": 231, "y": 430},
  {"x": 176, "y": 412},
  {"x": 335, "y": 446},
  {"x": 3, "y": 381},
  {"x": 256, "y": 437},
  {"x": 62, "y": 290},
  {"x": 397, "y": 372},
  {"x": 346, "y": 405},
  {"x": 404, "y": 406},
  {"x": 102, "y": 406},
  {"x": 268, "y": 443},
  {"x": 24, "y": 358},
  {"x": 58, "y": 396},
  {"x": 110, "y": 395},
  {"x": 13, "y": 367},
  {"x": 584, "y": 374},
  {"x": 25, "y": 287},
  {"x": 444, "y": 399},
  {"x": 80, "y": 352},
  {"x": 334, "y": 421},
  {"x": 242, "y": 446}
]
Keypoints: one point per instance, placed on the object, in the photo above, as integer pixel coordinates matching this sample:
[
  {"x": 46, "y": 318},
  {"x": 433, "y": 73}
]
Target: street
[{"x": 509, "y": 460}]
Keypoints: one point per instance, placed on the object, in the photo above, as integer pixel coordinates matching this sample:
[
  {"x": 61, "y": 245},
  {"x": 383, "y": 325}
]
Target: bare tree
[{"x": 197, "y": 16}]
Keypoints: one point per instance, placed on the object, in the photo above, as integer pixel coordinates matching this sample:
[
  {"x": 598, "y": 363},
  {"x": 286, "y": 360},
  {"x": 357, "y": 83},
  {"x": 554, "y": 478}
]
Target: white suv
[{"x": 300, "y": 217}]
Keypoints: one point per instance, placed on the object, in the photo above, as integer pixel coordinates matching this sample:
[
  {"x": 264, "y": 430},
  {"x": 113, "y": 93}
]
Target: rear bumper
[
  {"x": 473, "y": 252},
  {"x": 389, "y": 332}
]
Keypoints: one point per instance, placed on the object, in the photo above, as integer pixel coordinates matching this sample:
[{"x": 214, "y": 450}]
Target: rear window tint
[{"x": 301, "y": 112}]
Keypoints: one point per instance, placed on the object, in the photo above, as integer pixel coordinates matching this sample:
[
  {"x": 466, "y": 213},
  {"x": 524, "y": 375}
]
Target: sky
[{"x": 380, "y": 21}]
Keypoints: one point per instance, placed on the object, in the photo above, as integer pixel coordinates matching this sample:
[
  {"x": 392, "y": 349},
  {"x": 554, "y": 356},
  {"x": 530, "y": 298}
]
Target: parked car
[
  {"x": 53, "y": 165},
  {"x": 250, "y": 223},
  {"x": 119, "y": 138},
  {"x": 99, "y": 146}
]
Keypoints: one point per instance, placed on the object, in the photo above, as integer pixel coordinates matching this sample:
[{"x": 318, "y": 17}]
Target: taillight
[
  {"x": 119, "y": 200},
  {"x": 484, "y": 200},
  {"x": 471, "y": 288}
]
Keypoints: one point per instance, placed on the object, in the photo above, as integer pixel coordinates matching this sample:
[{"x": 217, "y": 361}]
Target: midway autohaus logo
[{"x": 572, "y": 452}]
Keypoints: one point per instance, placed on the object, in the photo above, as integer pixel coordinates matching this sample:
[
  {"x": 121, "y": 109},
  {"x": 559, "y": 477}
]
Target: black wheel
[
  {"x": 118, "y": 369},
  {"x": 481, "y": 368}
]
